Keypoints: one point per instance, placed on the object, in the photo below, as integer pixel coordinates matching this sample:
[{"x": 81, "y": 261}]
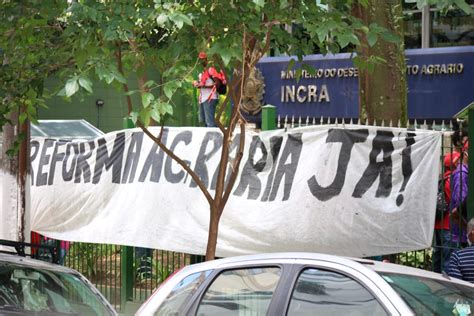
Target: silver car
[{"x": 307, "y": 284}]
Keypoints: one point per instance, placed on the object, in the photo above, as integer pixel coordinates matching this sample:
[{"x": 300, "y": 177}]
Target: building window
[
  {"x": 454, "y": 28},
  {"x": 412, "y": 28}
]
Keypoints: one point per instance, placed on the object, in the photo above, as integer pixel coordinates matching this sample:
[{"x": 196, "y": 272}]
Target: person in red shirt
[
  {"x": 443, "y": 245},
  {"x": 208, "y": 96}
]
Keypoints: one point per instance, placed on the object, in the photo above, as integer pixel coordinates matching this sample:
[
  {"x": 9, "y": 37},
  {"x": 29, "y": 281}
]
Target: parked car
[
  {"x": 34, "y": 287},
  {"x": 307, "y": 284}
]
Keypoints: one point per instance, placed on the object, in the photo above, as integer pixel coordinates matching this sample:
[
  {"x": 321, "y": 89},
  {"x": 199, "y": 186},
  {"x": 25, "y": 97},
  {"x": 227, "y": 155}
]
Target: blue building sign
[{"x": 440, "y": 84}]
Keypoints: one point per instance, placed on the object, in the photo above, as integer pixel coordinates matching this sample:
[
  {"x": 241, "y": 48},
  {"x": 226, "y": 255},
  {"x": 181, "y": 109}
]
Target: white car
[{"x": 307, "y": 284}]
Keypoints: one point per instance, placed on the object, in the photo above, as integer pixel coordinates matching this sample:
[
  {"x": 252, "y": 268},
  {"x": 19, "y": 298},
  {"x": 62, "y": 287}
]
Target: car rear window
[{"x": 432, "y": 296}]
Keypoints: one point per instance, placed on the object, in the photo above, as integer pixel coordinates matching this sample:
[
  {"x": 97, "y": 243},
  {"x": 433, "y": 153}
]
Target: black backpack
[
  {"x": 221, "y": 87},
  {"x": 441, "y": 206}
]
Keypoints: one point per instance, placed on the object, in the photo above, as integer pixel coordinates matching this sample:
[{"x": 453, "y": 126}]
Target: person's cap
[
  {"x": 202, "y": 55},
  {"x": 451, "y": 159}
]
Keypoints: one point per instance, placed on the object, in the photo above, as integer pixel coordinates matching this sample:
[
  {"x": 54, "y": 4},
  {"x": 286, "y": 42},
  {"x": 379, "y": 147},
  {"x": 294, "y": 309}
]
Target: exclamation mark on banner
[{"x": 406, "y": 166}]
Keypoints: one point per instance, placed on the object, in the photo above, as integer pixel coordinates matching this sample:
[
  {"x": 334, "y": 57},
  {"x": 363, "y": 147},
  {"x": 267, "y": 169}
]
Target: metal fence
[
  {"x": 292, "y": 122},
  {"x": 131, "y": 274}
]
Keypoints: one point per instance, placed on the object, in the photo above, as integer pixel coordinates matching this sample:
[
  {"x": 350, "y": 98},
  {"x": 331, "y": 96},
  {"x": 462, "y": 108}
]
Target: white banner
[{"x": 354, "y": 190}]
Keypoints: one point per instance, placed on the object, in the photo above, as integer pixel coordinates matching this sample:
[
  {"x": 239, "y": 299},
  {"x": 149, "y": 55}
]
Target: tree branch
[
  {"x": 267, "y": 39},
  {"x": 236, "y": 164},
  {"x": 118, "y": 57},
  {"x": 181, "y": 162},
  {"x": 158, "y": 141},
  {"x": 232, "y": 85}
]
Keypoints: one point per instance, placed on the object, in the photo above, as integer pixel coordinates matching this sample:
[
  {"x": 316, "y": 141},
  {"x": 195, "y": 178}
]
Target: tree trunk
[
  {"x": 215, "y": 215},
  {"x": 23, "y": 163},
  {"x": 9, "y": 191},
  {"x": 386, "y": 100},
  {"x": 13, "y": 171}
]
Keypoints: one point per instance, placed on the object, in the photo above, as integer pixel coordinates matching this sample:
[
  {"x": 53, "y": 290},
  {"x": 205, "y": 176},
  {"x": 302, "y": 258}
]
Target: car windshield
[
  {"x": 432, "y": 296},
  {"x": 30, "y": 290}
]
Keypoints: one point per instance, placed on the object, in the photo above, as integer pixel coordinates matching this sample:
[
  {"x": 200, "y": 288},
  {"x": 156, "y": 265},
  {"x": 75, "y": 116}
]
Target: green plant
[{"x": 417, "y": 259}]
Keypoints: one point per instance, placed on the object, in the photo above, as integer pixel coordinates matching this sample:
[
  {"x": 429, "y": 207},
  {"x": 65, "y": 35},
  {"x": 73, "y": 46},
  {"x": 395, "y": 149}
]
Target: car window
[
  {"x": 321, "y": 292},
  {"x": 181, "y": 293},
  {"x": 431, "y": 296},
  {"x": 240, "y": 292},
  {"x": 25, "y": 289}
]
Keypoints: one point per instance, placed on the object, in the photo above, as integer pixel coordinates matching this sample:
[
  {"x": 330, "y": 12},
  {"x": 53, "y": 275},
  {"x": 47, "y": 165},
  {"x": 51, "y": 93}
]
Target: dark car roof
[{"x": 25, "y": 261}]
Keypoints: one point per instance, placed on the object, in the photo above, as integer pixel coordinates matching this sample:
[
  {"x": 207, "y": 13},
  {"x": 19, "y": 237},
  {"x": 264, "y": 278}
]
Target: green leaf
[
  {"x": 226, "y": 56},
  {"x": 42, "y": 104},
  {"x": 371, "y": 39},
  {"x": 260, "y": 3},
  {"x": 184, "y": 18},
  {"x": 145, "y": 116},
  {"x": 118, "y": 76},
  {"x": 322, "y": 33},
  {"x": 291, "y": 64},
  {"x": 71, "y": 87},
  {"x": 62, "y": 92},
  {"x": 101, "y": 72},
  {"x": 81, "y": 57},
  {"x": 147, "y": 98},
  {"x": 169, "y": 89},
  {"x": 463, "y": 6},
  {"x": 161, "y": 19},
  {"x": 163, "y": 108},
  {"x": 149, "y": 84},
  {"x": 32, "y": 117},
  {"x": 169, "y": 109},
  {"x": 298, "y": 74},
  {"x": 86, "y": 84},
  {"x": 134, "y": 117},
  {"x": 390, "y": 37},
  {"x": 131, "y": 92},
  {"x": 370, "y": 67},
  {"x": 345, "y": 38},
  {"x": 310, "y": 69},
  {"x": 155, "y": 114},
  {"x": 22, "y": 118},
  {"x": 179, "y": 23},
  {"x": 109, "y": 77}
]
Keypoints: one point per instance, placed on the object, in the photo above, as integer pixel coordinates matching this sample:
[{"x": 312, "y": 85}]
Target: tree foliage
[
  {"x": 443, "y": 5},
  {"x": 31, "y": 50}
]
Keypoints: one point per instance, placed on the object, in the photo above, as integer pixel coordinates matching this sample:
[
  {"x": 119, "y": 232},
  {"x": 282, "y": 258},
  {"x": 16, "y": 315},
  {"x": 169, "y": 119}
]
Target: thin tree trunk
[
  {"x": 23, "y": 163},
  {"x": 215, "y": 215}
]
